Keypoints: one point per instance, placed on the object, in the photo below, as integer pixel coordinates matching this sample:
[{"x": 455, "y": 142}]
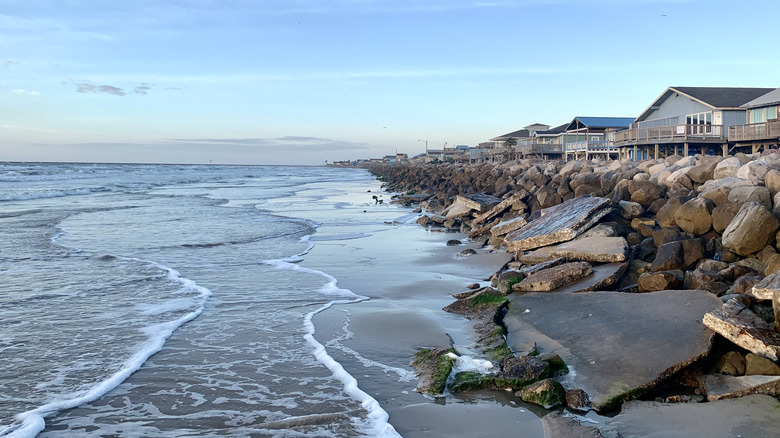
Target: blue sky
[{"x": 304, "y": 81}]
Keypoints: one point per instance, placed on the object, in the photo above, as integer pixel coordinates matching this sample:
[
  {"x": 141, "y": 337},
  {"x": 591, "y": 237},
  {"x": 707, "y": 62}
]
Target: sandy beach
[{"x": 410, "y": 273}]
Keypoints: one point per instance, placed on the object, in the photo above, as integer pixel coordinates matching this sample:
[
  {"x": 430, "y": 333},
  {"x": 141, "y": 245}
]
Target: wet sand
[{"x": 410, "y": 274}]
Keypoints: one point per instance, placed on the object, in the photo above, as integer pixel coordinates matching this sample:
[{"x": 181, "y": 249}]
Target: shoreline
[{"x": 449, "y": 196}]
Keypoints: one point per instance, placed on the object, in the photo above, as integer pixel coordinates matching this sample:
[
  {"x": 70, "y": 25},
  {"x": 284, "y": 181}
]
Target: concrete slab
[
  {"x": 478, "y": 201},
  {"x": 552, "y": 278},
  {"x": 615, "y": 342},
  {"x": 560, "y": 223},
  {"x": 593, "y": 249},
  {"x": 752, "y": 416},
  {"x": 603, "y": 276},
  {"x": 735, "y": 322},
  {"x": 720, "y": 386}
]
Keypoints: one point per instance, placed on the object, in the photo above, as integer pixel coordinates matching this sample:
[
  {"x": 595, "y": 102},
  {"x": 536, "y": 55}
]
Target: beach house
[
  {"x": 686, "y": 119},
  {"x": 761, "y": 130},
  {"x": 593, "y": 137},
  {"x": 506, "y": 149},
  {"x": 547, "y": 144}
]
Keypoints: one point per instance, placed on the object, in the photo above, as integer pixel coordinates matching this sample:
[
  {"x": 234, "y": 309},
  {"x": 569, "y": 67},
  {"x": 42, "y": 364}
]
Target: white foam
[
  {"x": 340, "y": 237},
  {"x": 26, "y": 196},
  {"x": 30, "y": 423},
  {"x": 468, "y": 363},
  {"x": 378, "y": 424}
]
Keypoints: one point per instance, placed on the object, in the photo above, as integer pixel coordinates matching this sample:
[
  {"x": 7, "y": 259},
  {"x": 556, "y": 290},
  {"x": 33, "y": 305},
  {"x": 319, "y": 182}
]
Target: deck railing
[
  {"x": 669, "y": 134},
  {"x": 755, "y": 131},
  {"x": 539, "y": 148},
  {"x": 591, "y": 146}
]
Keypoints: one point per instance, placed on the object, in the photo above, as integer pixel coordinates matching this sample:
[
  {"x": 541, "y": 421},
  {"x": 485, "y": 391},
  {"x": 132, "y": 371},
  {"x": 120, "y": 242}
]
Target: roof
[
  {"x": 715, "y": 97},
  {"x": 553, "y": 131},
  {"x": 523, "y": 133},
  {"x": 600, "y": 122},
  {"x": 768, "y": 99}
]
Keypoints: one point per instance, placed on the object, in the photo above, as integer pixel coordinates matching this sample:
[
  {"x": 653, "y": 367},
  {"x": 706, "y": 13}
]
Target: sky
[{"x": 309, "y": 81}]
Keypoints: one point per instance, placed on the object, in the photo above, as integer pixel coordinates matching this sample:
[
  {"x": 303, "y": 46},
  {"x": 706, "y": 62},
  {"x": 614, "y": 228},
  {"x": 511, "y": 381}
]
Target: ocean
[{"x": 171, "y": 301}]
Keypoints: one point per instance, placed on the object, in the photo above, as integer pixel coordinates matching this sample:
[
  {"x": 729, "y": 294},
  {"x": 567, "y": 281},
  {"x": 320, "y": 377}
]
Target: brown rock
[
  {"x": 668, "y": 257},
  {"x": 692, "y": 251},
  {"x": 577, "y": 399},
  {"x": 665, "y": 215},
  {"x": 723, "y": 214},
  {"x": 757, "y": 365},
  {"x": 664, "y": 280},
  {"x": 718, "y": 196},
  {"x": 666, "y": 235},
  {"x": 552, "y": 278},
  {"x": 695, "y": 216},
  {"x": 751, "y": 229},
  {"x": 741, "y": 195},
  {"x": 645, "y": 192},
  {"x": 698, "y": 279},
  {"x": 744, "y": 284},
  {"x": 731, "y": 364},
  {"x": 772, "y": 181}
]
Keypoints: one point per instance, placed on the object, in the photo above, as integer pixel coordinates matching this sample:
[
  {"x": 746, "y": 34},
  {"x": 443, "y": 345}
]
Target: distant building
[{"x": 762, "y": 124}]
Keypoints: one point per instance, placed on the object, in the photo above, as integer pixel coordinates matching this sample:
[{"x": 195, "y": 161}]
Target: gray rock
[
  {"x": 630, "y": 210},
  {"x": 761, "y": 366},
  {"x": 726, "y": 168},
  {"x": 478, "y": 201},
  {"x": 719, "y": 386},
  {"x": 518, "y": 372},
  {"x": 695, "y": 216},
  {"x": 751, "y": 229},
  {"x": 559, "y": 224},
  {"x": 741, "y": 195},
  {"x": 616, "y": 342}
]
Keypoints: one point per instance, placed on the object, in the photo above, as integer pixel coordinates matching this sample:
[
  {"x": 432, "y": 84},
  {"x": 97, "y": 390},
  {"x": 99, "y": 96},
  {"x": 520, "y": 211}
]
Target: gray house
[
  {"x": 685, "y": 118},
  {"x": 762, "y": 124}
]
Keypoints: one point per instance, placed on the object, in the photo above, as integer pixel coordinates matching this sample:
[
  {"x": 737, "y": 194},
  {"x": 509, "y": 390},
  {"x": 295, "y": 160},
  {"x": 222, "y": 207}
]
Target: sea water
[{"x": 164, "y": 300}]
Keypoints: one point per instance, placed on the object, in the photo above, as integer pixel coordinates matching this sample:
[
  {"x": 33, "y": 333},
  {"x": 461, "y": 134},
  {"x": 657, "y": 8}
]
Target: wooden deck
[
  {"x": 671, "y": 134},
  {"x": 769, "y": 130},
  {"x": 592, "y": 149}
]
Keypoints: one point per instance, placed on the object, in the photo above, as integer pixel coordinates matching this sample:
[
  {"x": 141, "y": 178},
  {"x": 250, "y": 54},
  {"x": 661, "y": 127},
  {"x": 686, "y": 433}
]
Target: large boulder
[
  {"x": 665, "y": 215},
  {"x": 726, "y": 168},
  {"x": 772, "y": 181},
  {"x": 645, "y": 192},
  {"x": 722, "y": 216},
  {"x": 760, "y": 194},
  {"x": 751, "y": 229},
  {"x": 754, "y": 171},
  {"x": 695, "y": 216}
]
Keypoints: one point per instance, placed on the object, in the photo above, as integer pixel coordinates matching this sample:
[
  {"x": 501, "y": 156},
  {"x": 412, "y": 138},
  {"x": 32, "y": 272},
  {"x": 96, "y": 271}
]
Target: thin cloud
[
  {"x": 104, "y": 89},
  {"x": 142, "y": 89},
  {"x": 287, "y": 143},
  {"x": 26, "y": 92},
  {"x": 9, "y": 62}
]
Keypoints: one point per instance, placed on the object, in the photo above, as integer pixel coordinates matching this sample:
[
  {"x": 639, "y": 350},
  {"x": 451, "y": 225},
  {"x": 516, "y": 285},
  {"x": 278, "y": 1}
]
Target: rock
[
  {"x": 735, "y": 322},
  {"x": 741, "y": 195},
  {"x": 751, "y": 416},
  {"x": 665, "y": 215},
  {"x": 744, "y": 284},
  {"x": 646, "y": 250},
  {"x": 546, "y": 393},
  {"x": 723, "y": 185},
  {"x": 432, "y": 367},
  {"x": 556, "y": 425},
  {"x": 507, "y": 279},
  {"x": 731, "y": 364},
  {"x": 705, "y": 280},
  {"x": 456, "y": 211},
  {"x": 600, "y": 230},
  {"x": 485, "y": 301},
  {"x": 508, "y": 226},
  {"x": 530, "y": 269},
  {"x": 658, "y": 281},
  {"x": 718, "y": 386},
  {"x": 668, "y": 257},
  {"x": 772, "y": 181},
  {"x": 627, "y": 347},
  {"x": 695, "y": 216},
  {"x": 559, "y": 224},
  {"x": 454, "y": 242},
  {"x": 753, "y": 171},
  {"x": 578, "y": 400},
  {"x": 644, "y": 226},
  {"x": 751, "y": 229},
  {"x": 645, "y": 192},
  {"x": 467, "y": 252},
  {"x": 602, "y": 278},
  {"x": 692, "y": 252},
  {"x": 726, "y": 168},
  {"x": 478, "y": 201},
  {"x": 499, "y": 208},
  {"x": 552, "y": 278},
  {"x": 718, "y": 196},
  {"x": 517, "y": 372},
  {"x": 723, "y": 214},
  {"x": 703, "y": 172},
  {"x": 593, "y": 249},
  {"x": 630, "y": 210},
  {"x": 757, "y": 365},
  {"x": 766, "y": 288}
]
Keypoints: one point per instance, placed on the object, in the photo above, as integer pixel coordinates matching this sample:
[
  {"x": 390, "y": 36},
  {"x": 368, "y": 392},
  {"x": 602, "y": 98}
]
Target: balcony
[
  {"x": 539, "y": 148},
  {"x": 769, "y": 130},
  {"x": 670, "y": 134}
]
